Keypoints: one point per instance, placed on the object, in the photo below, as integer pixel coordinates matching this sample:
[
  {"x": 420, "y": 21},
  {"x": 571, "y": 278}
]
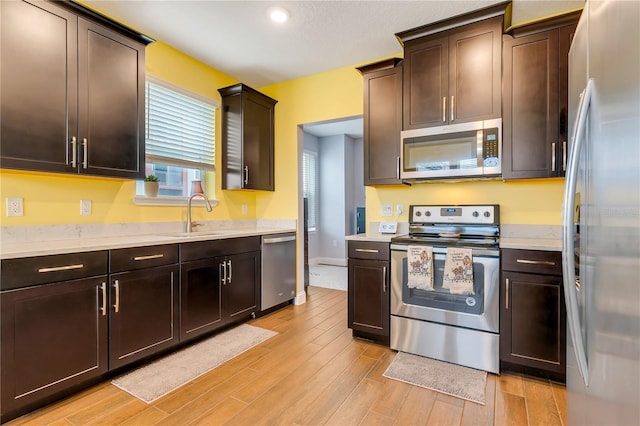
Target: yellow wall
[{"x": 55, "y": 198}]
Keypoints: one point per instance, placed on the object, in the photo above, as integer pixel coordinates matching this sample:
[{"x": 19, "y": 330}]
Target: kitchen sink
[{"x": 197, "y": 233}]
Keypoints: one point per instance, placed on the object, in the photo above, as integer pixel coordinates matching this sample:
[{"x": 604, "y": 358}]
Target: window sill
[{"x": 142, "y": 200}]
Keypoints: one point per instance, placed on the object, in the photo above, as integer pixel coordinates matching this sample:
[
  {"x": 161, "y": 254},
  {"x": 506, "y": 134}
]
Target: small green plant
[{"x": 151, "y": 178}]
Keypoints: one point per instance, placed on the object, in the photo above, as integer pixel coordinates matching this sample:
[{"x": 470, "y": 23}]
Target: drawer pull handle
[
  {"x": 536, "y": 262},
  {"x": 149, "y": 257},
  {"x": 103, "y": 287},
  {"x": 116, "y": 285},
  {"x": 61, "y": 268},
  {"x": 368, "y": 250},
  {"x": 506, "y": 295}
]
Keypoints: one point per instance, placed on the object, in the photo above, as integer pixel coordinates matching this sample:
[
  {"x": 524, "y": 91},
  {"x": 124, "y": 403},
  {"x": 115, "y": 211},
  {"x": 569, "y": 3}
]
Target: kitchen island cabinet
[
  {"x": 532, "y": 313},
  {"x": 72, "y": 91},
  {"x": 382, "y": 121},
  {"x": 536, "y": 58},
  {"x": 144, "y": 302},
  {"x": 453, "y": 74},
  {"x": 54, "y": 329},
  {"x": 247, "y": 139},
  {"x": 220, "y": 284},
  {"x": 368, "y": 290}
]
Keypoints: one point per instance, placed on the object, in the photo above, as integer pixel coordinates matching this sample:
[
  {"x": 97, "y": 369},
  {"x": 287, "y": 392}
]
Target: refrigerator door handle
[{"x": 568, "y": 234}]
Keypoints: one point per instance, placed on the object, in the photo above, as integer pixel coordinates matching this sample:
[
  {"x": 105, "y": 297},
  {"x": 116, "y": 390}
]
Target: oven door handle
[{"x": 443, "y": 250}]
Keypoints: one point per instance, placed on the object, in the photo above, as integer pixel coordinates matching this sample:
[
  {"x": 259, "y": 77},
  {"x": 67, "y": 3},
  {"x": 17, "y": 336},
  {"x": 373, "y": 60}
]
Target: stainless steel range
[{"x": 445, "y": 285}]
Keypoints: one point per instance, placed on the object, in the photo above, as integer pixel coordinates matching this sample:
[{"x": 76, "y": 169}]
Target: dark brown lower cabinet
[
  {"x": 533, "y": 314},
  {"x": 369, "y": 292},
  {"x": 220, "y": 284},
  {"x": 54, "y": 337}
]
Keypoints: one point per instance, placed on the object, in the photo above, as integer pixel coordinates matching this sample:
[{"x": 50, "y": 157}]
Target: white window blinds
[
  {"x": 310, "y": 186},
  {"x": 180, "y": 126}
]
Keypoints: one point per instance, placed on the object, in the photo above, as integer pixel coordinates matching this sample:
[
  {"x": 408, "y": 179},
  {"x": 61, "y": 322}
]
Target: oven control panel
[{"x": 480, "y": 214}]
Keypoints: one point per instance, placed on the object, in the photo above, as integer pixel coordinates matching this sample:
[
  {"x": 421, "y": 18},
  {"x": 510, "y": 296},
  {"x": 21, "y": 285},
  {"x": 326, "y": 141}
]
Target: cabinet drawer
[
  {"x": 368, "y": 250},
  {"x": 130, "y": 259},
  {"x": 532, "y": 261},
  {"x": 215, "y": 248},
  {"x": 29, "y": 271}
]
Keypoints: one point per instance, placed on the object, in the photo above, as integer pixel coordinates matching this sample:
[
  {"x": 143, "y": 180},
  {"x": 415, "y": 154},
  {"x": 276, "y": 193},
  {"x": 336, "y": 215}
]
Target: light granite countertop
[
  {"x": 44, "y": 241},
  {"x": 523, "y": 237}
]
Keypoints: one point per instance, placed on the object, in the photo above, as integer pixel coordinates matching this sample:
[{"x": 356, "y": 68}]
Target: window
[
  {"x": 310, "y": 186},
  {"x": 180, "y": 137}
]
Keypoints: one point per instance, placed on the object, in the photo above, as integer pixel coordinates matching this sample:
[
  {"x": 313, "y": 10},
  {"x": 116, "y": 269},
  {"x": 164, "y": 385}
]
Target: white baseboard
[
  {"x": 301, "y": 298},
  {"x": 335, "y": 261}
]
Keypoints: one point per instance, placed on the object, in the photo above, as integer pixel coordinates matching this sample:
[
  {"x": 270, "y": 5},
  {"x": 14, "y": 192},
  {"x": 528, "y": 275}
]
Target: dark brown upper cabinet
[
  {"x": 247, "y": 139},
  {"x": 535, "y": 98},
  {"x": 72, "y": 91},
  {"x": 452, "y": 70},
  {"x": 382, "y": 121}
]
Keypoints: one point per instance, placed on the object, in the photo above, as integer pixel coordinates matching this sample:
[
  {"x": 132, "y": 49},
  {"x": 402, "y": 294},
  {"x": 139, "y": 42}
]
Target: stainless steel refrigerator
[{"x": 601, "y": 217}]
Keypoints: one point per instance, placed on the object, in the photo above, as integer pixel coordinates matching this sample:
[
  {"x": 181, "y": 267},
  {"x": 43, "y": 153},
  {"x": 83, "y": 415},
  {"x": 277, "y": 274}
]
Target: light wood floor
[{"x": 313, "y": 372}]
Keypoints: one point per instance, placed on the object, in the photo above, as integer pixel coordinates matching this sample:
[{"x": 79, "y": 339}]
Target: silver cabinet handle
[
  {"x": 564, "y": 156},
  {"x": 103, "y": 287},
  {"x": 553, "y": 156},
  {"x": 61, "y": 268},
  {"x": 222, "y": 270},
  {"x": 444, "y": 109},
  {"x": 398, "y": 168},
  {"x": 384, "y": 279},
  {"x": 578, "y": 284},
  {"x": 536, "y": 262},
  {"x": 116, "y": 306},
  {"x": 568, "y": 233},
  {"x": 74, "y": 152},
  {"x": 230, "y": 272},
  {"x": 246, "y": 175},
  {"x": 506, "y": 295},
  {"x": 85, "y": 155},
  {"x": 367, "y": 250},
  {"x": 452, "y": 103},
  {"x": 149, "y": 257}
]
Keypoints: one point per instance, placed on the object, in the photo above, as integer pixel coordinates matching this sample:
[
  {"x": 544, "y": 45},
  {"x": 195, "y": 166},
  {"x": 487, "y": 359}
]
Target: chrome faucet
[{"x": 207, "y": 204}]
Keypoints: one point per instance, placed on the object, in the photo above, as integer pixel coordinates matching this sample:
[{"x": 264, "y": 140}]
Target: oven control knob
[
  {"x": 487, "y": 214},
  {"x": 427, "y": 213},
  {"x": 418, "y": 213},
  {"x": 475, "y": 214}
]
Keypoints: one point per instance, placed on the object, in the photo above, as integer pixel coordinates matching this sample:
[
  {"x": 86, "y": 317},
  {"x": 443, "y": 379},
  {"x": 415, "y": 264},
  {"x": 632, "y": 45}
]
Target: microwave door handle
[{"x": 479, "y": 148}]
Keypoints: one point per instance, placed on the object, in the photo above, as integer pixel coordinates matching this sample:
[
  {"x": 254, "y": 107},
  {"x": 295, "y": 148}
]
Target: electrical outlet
[
  {"x": 85, "y": 207},
  {"x": 386, "y": 210},
  {"x": 399, "y": 209},
  {"x": 14, "y": 207}
]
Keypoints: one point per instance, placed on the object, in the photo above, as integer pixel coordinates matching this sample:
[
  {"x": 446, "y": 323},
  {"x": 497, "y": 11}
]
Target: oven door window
[{"x": 442, "y": 298}]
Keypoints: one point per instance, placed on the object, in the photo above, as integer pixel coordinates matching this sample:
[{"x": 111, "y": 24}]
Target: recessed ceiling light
[{"x": 279, "y": 15}]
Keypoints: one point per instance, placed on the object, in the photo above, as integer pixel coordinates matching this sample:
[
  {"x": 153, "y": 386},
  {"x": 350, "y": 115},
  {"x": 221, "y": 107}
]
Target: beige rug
[
  {"x": 157, "y": 379},
  {"x": 451, "y": 379}
]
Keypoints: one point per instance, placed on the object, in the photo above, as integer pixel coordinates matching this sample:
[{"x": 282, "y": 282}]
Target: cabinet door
[
  {"x": 532, "y": 322},
  {"x": 531, "y": 140},
  {"x": 369, "y": 300},
  {"x": 475, "y": 73},
  {"x": 257, "y": 149},
  {"x": 200, "y": 302},
  {"x": 242, "y": 288},
  {"x": 426, "y": 84},
  {"x": 565, "y": 36},
  {"x": 38, "y": 86},
  {"x": 54, "y": 336},
  {"x": 382, "y": 126},
  {"x": 144, "y": 309},
  {"x": 111, "y": 102}
]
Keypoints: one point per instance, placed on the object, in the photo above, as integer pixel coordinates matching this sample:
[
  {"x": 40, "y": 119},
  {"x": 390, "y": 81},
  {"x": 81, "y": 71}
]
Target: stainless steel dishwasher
[{"x": 278, "y": 269}]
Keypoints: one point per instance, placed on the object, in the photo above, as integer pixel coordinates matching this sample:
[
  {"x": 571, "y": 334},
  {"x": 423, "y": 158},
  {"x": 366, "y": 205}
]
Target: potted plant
[{"x": 151, "y": 186}]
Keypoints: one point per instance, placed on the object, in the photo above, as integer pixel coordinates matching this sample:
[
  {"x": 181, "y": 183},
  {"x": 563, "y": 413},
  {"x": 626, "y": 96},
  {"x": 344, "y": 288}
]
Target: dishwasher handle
[{"x": 279, "y": 239}]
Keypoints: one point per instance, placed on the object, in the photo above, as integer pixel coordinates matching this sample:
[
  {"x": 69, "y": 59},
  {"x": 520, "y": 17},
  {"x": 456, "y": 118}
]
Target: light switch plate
[
  {"x": 388, "y": 227},
  {"x": 85, "y": 207}
]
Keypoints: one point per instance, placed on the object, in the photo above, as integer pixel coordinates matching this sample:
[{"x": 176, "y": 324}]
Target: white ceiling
[{"x": 237, "y": 38}]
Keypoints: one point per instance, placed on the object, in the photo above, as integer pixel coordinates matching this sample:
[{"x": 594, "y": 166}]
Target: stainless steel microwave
[{"x": 465, "y": 150}]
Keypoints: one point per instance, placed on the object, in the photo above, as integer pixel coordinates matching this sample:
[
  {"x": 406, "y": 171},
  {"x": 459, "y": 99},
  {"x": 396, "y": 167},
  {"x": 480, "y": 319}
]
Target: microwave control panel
[{"x": 490, "y": 147}]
